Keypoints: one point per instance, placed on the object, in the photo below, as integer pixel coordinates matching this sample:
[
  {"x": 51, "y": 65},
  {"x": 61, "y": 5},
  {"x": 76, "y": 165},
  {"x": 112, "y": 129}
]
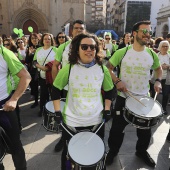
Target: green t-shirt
[{"x": 9, "y": 66}]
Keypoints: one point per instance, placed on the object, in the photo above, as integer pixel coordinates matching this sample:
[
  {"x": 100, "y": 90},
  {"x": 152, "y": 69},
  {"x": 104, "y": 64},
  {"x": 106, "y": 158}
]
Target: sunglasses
[
  {"x": 107, "y": 38},
  {"x": 145, "y": 31},
  {"x": 84, "y": 47},
  {"x": 19, "y": 42},
  {"x": 7, "y": 44},
  {"x": 61, "y": 37}
]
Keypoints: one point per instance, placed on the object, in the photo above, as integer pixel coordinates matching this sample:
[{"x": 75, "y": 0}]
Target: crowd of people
[{"x": 87, "y": 71}]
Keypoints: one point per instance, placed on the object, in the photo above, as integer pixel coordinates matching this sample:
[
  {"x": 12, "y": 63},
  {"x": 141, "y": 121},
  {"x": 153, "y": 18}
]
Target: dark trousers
[
  {"x": 116, "y": 135},
  {"x": 9, "y": 122},
  {"x": 66, "y": 136},
  {"x": 44, "y": 93},
  {"x": 34, "y": 87},
  {"x": 165, "y": 93}
]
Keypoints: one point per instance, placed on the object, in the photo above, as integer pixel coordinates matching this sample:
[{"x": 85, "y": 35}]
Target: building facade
[
  {"x": 126, "y": 12},
  {"x": 44, "y": 16},
  {"x": 163, "y": 21},
  {"x": 50, "y": 15}
]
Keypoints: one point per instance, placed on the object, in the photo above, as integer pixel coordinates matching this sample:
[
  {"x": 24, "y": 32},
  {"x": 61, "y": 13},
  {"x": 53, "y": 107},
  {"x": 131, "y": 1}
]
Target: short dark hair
[
  {"x": 136, "y": 25},
  {"x": 168, "y": 35},
  {"x": 74, "y": 48},
  {"x": 78, "y": 22}
]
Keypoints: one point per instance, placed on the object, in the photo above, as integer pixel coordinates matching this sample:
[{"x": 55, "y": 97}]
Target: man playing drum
[
  {"x": 134, "y": 78},
  {"x": 10, "y": 65}
]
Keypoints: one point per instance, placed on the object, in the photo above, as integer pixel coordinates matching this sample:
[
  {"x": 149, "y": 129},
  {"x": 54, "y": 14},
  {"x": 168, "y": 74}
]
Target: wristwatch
[{"x": 158, "y": 80}]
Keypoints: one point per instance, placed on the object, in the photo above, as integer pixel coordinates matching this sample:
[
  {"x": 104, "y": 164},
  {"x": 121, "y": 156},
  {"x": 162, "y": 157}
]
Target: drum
[
  {"x": 48, "y": 116},
  {"x": 87, "y": 150},
  {"x": 143, "y": 117}
]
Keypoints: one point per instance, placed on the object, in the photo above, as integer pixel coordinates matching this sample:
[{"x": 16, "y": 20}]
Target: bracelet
[
  {"x": 158, "y": 80},
  {"x": 118, "y": 80}
]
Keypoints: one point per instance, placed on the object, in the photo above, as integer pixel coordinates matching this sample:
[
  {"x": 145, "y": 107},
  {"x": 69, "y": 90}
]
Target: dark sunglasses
[
  {"x": 7, "y": 44},
  {"x": 61, "y": 37},
  {"x": 19, "y": 42},
  {"x": 84, "y": 47},
  {"x": 145, "y": 31},
  {"x": 107, "y": 38}
]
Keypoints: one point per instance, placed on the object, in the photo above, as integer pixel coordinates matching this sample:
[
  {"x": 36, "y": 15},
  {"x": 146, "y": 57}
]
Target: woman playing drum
[{"x": 85, "y": 77}]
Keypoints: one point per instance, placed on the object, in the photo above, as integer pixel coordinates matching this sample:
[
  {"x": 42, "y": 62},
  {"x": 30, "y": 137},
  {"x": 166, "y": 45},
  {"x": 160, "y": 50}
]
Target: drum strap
[{"x": 76, "y": 131}]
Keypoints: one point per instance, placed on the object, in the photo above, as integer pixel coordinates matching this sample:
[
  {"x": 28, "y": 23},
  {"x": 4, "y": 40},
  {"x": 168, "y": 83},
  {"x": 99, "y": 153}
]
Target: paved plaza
[{"x": 39, "y": 144}]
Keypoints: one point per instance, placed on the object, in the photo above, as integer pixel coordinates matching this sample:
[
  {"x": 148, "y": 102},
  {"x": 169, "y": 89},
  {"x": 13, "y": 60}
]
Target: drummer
[
  {"x": 135, "y": 62},
  {"x": 85, "y": 76}
]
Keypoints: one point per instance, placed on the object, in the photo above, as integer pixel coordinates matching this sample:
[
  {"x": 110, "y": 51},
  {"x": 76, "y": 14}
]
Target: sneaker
[
  {"x": 110, "y": 157},
  {"x": 34, "y": 105},
  {"x": 165, "y": 112},
  {"x": 59, "y": 146},
  {"x": 146, "y": 158},
  {"x": 168, "y": 137}
]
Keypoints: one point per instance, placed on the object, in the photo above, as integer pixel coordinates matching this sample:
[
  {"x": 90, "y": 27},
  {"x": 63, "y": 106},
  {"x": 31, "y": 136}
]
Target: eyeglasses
[
  {"x": 145, "y": 31},
  {"x": 34, "y": 38},
  {"x": 19, "y": 42},
  {"x": 7, "y": 44},
  {"x": 61, "y": 37},
  {"x": 84, "y": 47},
  {"x": 76, "y": 28},
  {"x": 165, "y": 46},
  {"x": 107, "y": 38}
]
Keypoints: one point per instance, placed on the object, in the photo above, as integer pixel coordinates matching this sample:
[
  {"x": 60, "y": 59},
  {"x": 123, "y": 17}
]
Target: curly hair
[{"x": 74, "y": 48}]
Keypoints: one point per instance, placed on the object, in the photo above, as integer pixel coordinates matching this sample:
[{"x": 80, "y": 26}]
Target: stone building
[
  {"x": 42, "y": 15},
  {"x": 163, "y": 21}
]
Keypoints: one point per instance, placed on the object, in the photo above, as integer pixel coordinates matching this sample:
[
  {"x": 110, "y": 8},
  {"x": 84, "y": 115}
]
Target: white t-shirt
[
  {"x": 164, "y": 59},
  {"x": 40, "y": 56}
]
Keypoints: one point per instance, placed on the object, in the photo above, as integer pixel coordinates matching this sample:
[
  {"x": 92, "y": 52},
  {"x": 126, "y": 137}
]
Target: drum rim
[
  {"x": 140, "y": 127},
  {"x": 143, "y": 116},
  {"x": 62, "y": 99},
  {"x": 91, "y": 164}
]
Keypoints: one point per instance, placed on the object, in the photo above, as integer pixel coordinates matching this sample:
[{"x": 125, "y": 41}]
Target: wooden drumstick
[
  {"x": 155, "y": 96},
  {"x": 135, "y": 98}
]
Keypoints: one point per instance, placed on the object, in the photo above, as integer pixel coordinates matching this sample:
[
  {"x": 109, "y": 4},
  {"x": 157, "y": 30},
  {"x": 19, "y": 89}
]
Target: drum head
[
  {"x": 50, "y": 107},
  {"x": 86, "y": 153},
  {"x": 152, "y": 109}
]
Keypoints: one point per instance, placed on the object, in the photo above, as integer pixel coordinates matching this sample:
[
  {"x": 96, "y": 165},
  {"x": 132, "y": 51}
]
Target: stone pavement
[{"x": 39, "y": 144}]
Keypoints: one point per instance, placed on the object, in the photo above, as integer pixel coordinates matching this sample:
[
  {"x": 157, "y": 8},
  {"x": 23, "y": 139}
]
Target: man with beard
[{"x": 134, "y": 77}]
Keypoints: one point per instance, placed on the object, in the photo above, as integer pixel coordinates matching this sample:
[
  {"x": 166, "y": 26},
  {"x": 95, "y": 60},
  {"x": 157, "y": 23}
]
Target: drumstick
[
  {"x": 135, "y": 98},
  {"x": 155, "y": 96},
  {"x": 94, "y": 134},
  {"x": 66, "y": 129}
]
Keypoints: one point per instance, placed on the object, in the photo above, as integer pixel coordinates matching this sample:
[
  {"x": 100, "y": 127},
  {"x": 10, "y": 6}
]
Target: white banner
[{"x": 67, "y": 26}]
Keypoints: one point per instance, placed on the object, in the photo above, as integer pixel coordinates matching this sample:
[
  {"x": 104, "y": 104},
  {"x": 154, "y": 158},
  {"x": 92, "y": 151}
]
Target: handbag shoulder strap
[{"x": 47, "y": 56}]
